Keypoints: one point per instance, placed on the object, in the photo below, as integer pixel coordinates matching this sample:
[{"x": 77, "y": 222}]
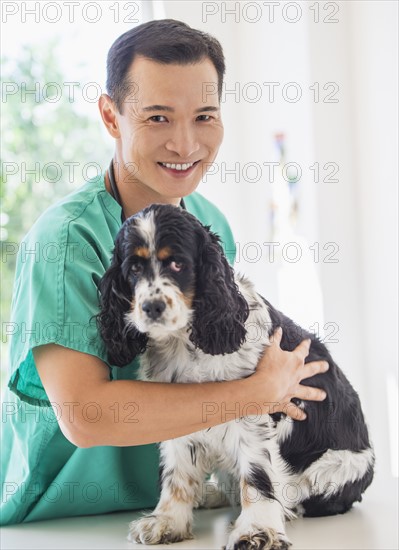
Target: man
[{"x": 77, "y": 428}]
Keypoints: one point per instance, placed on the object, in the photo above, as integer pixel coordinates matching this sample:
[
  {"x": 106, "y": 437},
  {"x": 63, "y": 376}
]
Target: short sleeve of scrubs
[{"x": 59, "y": 264}]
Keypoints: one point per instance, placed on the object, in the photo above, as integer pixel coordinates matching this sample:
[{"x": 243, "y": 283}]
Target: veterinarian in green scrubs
[{"x": 78, "y": 434}]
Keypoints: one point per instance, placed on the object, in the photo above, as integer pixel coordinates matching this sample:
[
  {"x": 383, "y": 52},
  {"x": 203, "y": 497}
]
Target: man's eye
[
  {"x": 175, "y": 266},
  {"x": 156, "y": 118},
  {"x": 204, "y": 118}
]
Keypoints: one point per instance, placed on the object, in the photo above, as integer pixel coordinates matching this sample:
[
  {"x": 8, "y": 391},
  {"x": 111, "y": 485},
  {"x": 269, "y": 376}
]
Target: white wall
[
  {"x": 358, "y": 53},
  {"x": 361, "y": 212},
  {"x": 374, "y": 52}
]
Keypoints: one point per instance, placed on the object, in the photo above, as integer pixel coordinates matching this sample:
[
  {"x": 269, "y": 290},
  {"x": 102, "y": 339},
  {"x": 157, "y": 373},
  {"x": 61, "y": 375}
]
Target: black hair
[{"x": 165, "y": 41}]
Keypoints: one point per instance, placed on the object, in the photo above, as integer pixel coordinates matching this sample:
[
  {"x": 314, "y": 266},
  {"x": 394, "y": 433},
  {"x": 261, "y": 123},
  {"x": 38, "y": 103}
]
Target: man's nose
[
  {"x": 184, "y": 141},
  {"x": 153, "y": 308}
]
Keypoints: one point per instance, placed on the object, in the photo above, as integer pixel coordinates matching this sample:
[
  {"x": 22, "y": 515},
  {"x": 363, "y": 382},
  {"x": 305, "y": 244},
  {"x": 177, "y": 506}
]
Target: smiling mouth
[{"x": 183, "y": 168}]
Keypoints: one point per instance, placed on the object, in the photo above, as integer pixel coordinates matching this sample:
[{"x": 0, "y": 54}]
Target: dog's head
[{"x": 168, "y": 273}]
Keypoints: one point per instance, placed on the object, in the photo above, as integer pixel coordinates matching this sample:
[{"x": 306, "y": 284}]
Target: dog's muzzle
[{"x": 153, "y": 308}]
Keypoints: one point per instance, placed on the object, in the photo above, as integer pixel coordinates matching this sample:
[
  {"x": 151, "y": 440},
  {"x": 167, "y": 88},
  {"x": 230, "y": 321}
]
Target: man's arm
[{"x": 93, "y": 410}]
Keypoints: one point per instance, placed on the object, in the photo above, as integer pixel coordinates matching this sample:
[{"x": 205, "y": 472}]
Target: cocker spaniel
[{"x": 171, "y": 297}]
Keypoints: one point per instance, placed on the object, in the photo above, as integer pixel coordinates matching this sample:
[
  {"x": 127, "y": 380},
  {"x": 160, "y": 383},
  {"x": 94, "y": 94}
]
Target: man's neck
[{"x": 135, "y": 199}]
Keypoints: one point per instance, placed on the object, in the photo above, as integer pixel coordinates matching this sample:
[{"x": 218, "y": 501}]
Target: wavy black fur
[
  {"x": 220, "y": 309},
  {"x": 123, "y": 341}
]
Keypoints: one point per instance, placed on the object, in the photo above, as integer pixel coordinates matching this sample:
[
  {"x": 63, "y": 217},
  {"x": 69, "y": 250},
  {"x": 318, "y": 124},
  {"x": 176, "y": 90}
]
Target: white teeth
[{"x": 177, "y": 166}]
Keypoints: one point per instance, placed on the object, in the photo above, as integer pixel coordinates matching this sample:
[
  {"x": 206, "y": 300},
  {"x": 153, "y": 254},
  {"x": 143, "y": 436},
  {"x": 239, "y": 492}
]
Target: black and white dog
[{"x": 171, "y": 295}]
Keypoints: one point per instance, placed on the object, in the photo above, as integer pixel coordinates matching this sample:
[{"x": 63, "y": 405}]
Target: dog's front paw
[
  {"x": 258, "y": 539},
  {"x": 158, "y": 529}
]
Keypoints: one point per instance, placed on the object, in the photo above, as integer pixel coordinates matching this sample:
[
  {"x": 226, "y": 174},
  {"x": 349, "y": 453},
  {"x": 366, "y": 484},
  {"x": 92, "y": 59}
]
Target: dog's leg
[
  {"x": 261, "y": 524},
  {"x": 331, "y": 484},
  {"x": 182, "y": 478}
]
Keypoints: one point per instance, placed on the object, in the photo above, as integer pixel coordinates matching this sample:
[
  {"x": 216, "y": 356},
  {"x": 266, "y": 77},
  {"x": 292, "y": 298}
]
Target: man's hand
[{"x": 280, "y": 373}]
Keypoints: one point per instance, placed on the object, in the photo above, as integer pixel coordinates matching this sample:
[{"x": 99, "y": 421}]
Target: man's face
[{"x": 168, "y": 120}]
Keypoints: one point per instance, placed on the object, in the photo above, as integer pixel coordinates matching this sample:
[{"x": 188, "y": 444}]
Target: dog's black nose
[{"x": 153, "y": 308}]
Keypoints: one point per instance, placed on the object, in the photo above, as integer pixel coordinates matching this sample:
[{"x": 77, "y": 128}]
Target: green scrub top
[{"x": 59, "y": 265}]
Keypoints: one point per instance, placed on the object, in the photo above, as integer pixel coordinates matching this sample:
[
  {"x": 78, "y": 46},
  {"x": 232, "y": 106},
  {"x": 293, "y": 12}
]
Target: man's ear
[{"x": 108, "y": 113}]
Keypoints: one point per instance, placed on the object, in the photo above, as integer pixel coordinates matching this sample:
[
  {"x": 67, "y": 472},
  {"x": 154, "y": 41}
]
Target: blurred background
[{"x": 307, "y": 173}]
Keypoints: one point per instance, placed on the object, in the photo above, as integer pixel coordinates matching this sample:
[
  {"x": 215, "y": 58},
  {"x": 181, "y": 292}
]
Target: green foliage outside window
[{"x": 49, "y": 148}]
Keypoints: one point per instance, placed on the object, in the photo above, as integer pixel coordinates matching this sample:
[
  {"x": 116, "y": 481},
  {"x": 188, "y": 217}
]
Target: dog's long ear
[
  {"x": 123, "y": 341},
  {"x": 220, "y": 310}
]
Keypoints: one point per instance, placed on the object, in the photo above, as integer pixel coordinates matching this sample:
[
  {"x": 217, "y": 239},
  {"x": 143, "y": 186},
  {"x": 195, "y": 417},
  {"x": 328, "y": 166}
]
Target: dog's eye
[
  {"x": 136, "y": 269},
  {"x": 175, "y": 266}
]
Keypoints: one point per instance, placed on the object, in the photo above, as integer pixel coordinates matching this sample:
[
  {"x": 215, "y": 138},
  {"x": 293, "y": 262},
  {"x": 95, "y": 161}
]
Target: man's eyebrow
[
  {"x": 167, "y": 109},
  {"x": 158, "y": 108},
  {"x": 209, "y": 109}
]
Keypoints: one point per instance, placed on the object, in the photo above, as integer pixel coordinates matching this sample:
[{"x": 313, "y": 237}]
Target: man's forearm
[{"x": 136, "y": 413}]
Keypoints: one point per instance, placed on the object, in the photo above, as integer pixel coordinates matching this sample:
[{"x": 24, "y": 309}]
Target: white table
[{"x": 371, "y": 525}]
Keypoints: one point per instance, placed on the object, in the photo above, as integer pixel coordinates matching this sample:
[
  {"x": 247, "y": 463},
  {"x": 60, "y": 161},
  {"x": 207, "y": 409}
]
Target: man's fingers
[
  {"x": 276, "y": 337},
  {"x": 294, "y": 412},
  {"x": 303, "y": 348},
  {"x": 310, "y": 394},
  {"x": 314, "y": 367}
]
